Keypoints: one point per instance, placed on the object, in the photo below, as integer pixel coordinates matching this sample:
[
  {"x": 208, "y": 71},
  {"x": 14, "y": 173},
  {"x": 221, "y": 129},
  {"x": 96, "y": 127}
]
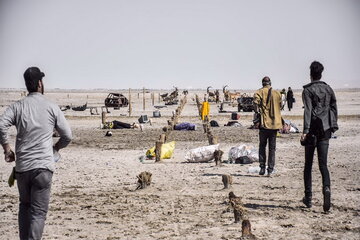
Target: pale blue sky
[{"x": 187, "y": 43}]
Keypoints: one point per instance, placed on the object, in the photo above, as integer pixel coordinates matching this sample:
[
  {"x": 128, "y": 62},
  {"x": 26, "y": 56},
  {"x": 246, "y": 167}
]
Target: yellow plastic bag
[{"x": 167, "y": 150}]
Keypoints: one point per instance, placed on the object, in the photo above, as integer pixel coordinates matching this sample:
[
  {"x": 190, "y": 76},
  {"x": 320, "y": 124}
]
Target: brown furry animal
[{"x": 144, "y": 180}]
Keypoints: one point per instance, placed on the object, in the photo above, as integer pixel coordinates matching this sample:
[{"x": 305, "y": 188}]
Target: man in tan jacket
[{"x": 268, "y": 104}]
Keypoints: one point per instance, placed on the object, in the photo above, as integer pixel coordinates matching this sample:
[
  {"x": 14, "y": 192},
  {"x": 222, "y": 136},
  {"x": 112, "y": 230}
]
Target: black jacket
[{"x": 320, "y": 110}]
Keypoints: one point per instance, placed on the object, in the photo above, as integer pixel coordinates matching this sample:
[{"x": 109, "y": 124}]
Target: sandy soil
[{"x": 94, "y": 197}]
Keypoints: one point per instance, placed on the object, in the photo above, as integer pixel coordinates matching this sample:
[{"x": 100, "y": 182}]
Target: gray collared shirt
[{"x": 35, "y": 118}]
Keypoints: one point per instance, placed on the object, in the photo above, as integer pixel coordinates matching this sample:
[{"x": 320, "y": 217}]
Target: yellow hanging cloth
[{"x": 205, "y": 110}]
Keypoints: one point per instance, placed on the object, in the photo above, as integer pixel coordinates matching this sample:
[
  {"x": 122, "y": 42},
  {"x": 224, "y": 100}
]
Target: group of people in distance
[
  {"x": 320, "y": 121},
  {"x": 35, "y": 118},
  {"x": 287, "y": 97}
]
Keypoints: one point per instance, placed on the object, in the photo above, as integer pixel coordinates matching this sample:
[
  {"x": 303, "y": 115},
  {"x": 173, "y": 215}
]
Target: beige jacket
[{"x": 271, "y": 112}]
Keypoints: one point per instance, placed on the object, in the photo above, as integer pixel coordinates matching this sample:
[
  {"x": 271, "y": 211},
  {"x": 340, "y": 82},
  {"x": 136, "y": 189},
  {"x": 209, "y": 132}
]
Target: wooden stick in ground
[
  {"x": 130, "y": 107},
  {"x": 158, "y": 146},
  {"x": 198, "y": 104},
  {"x": 144, "y": 99},
  {"x": 218, "y": 155},
  {"x": 212, "y": 139},
  {"x": 227, "y": 180},
  {"x": 103, "y": 117}
]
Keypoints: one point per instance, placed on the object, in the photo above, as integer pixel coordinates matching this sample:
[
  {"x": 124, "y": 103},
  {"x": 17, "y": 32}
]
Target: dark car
[
  {"x": 116, "y": 100},
  {"x": 246, "y": 104}
]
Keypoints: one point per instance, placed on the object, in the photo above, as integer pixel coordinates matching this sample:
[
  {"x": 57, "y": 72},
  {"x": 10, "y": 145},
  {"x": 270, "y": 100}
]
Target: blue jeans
[{"x": 34, "y": 190}]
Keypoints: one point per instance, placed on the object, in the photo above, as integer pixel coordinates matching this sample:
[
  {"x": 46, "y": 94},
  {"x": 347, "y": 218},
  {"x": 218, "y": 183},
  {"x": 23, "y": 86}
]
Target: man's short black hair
[
  {"x": 316, "y": 70},
  {"x": 32, "y": 76}
]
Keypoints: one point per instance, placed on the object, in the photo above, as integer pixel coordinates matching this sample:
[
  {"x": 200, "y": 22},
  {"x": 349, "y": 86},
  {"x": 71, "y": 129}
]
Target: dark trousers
[
  {"x": 322, "y": 147},
  {"x": 265, "y": 136},
  {"x": 290, "y": 104},
  {"x": 34, "y": 190}
]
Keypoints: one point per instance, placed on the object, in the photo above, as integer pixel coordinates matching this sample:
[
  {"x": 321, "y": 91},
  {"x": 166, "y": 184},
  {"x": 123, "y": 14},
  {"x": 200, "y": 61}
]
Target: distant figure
[
  {"x": 283, "y": 98},
  {"x": 320, "y": 120},
  {"x": 35, "y": 118},
  {"x": 267, "y": 103},
  {"x": 290, "y": 98},
  {"x": 217, "y": 96}
]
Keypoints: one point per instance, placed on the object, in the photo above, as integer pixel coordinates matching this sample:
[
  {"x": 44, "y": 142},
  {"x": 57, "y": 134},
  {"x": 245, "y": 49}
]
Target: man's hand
[
  {"x": 9, "y": 156},
  {"x": 303, "y": 136}
]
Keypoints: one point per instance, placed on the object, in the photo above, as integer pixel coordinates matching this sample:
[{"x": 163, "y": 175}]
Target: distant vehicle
[
  {"x": 116, "y": 100},
  {"x": 246, "y": 104}
]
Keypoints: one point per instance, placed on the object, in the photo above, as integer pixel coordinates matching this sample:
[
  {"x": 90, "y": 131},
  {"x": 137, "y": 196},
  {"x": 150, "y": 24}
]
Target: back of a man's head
[
  {"x": 316, "y": 70},
  {"x": 266, "y": 81},
  {"x": 32, "y": 76}
]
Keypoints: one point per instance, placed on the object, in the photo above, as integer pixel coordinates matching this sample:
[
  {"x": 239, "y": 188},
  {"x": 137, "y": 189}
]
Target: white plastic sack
[
  {"x": 243, "y": 150},
  {"x": 201, "y": 154}
]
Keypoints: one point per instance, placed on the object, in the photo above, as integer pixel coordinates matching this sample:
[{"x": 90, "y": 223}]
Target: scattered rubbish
[
  {"x": 257, "y": 170},
  {"x": 185, "y": 126},
  {"x": 143, "y": 119},
  {"x": 214, "y": 123},
  {"x": 108, "y": 134},
  {"x": 167, "y": 150},
  {"x": 237, "y": 154},
  {"x": 244, "y": 160},
  {"x": 80, "y": 108},
  {"x": 64, "y": 108},
  {"x": 142, "y": 158},
  {"x": 235, "y": 116},
  {"x": 160, "y": 106},
  {"x": 202, "y": 154},
  {"x": 233, "y": 124},
  {"x": 156, "y": 114}
]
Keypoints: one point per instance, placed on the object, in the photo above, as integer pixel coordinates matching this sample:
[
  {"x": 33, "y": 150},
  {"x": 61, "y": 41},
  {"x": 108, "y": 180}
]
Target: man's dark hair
[
  {"x": 32, "y": 76},
  {"x": 316, "y": 70},
  {"x": 266, "y": 81}
]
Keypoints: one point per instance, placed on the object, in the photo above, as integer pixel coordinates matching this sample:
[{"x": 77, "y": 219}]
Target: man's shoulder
[
  {"x": 315, "y": 84},
  {"x": 44, "y": 101}
]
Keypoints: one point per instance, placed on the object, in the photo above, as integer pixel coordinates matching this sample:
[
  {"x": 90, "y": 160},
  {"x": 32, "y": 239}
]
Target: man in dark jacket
[
  {"x": 320, "y": 120},
  {"x": 290, "y": 98}
]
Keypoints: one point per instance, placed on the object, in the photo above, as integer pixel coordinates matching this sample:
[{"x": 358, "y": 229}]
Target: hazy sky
[{"x": 184, "y": 43}]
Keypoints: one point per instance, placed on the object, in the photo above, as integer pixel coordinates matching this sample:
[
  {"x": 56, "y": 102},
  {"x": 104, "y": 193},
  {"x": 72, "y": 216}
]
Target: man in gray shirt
[{"x": 35, "y": 119}]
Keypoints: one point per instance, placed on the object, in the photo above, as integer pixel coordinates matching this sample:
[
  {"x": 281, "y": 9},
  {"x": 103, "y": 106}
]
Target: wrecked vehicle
[
  {"x": 116, "y": 100},
  {"x": 246, "y": 104}
]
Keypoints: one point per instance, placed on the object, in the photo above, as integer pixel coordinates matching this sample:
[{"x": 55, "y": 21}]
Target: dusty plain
[{"x": 93, "y": 191}]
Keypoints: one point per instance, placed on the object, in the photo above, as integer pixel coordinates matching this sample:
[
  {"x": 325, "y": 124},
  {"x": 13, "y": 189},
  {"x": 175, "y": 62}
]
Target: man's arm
[
  {"x": 256, "y": 102},
  {"x": 6, "y": 121},
  {"x": 307, "y": 110},
  {"x": 333, "y": 112},
  {"x": 63, "y": 128}
]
